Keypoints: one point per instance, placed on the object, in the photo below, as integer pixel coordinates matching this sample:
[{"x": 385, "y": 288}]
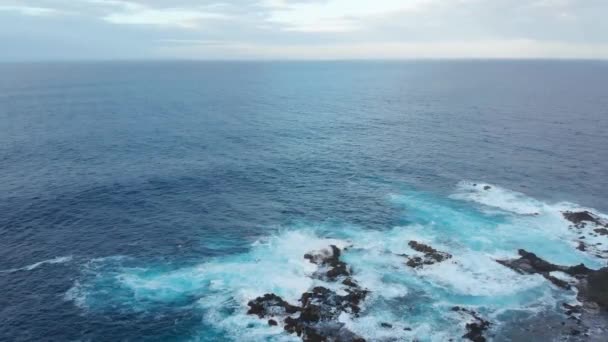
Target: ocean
[{"x": 151, "y": 201}]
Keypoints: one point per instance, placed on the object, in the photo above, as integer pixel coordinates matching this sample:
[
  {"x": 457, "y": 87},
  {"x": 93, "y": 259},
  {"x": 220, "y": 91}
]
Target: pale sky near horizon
[{"x": 302, "y": 29}]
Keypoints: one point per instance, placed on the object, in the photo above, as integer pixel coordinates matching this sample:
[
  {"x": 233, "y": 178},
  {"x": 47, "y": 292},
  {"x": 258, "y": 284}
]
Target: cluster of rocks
[
  {"x": 330, "y": 265},
  {"x": 476, "y": 328},
  {"x": 529, "y": 263},
  {"x": 316, "y": 315},
  {"x": 592, "y": 286},
  {"x": 315, "y": 318},
  {"x": 429, "y": 255},
  {"x": 588, "y": 225},
  {"x": 581, "y": 218}
]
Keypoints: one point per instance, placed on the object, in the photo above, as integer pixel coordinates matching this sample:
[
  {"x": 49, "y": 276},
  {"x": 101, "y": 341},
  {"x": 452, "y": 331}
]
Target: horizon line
[{"x": 261, "y": 60}]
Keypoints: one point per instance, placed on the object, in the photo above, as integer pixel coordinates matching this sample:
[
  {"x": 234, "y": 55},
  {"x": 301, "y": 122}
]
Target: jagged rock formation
[
  {"x": 316, "y": 316},
  {"x": 592, "y": 286},
  {"x": 476, "y": 328},
  {"x": 430, "y": 255}
]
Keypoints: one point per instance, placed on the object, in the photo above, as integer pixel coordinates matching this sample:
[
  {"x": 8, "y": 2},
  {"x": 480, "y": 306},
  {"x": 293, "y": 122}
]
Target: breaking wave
[
  {"x": 477, "y": 225},
  {"x": 57, "y": 260}
]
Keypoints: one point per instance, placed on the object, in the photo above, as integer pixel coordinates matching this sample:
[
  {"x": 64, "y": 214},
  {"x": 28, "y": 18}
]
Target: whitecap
[
  {"x": 57, "y": 260},
  {"x": 414, "y": 302}
]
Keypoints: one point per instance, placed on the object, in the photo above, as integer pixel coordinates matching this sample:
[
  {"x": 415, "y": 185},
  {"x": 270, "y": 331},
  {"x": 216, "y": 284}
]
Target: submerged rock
[{"x": 430, "y": 255}]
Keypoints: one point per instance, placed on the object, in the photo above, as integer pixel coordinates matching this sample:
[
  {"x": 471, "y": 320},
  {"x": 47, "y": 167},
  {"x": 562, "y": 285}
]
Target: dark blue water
[{"x": 138, "y": 175}]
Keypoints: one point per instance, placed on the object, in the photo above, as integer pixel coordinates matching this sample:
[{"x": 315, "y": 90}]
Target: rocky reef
[
  {"x": 429, "y": 255},
  {"x": 591, "y": 287},
  {"x": 591, "y": 229},
  {"x": 315, "y": 318},
  {"x": 317, "y": 314},
  {"x": 476, "y": 328}
]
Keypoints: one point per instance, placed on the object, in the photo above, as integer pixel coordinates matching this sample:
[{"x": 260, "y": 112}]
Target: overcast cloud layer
[{"x": 302, "y": 29}]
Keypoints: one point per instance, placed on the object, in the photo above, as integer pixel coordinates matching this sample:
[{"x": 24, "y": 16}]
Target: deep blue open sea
[{"x": 150, "y": 201}]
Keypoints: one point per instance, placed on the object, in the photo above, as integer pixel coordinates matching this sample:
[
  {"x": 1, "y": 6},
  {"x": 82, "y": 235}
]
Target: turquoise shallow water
[
  {"x": 475, "y": 233},
  {"x": 151, "y": 201}
]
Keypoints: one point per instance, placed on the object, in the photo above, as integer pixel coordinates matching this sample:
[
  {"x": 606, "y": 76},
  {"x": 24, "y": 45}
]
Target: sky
[{"x": 301, "y": 29}]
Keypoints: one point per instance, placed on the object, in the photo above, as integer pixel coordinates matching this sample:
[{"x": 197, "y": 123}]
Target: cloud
[
  {"x": 135, "y": 13},
  {"x": 317, "y": 28},
  {"x": 335, "y": 15},
  {"x": 170, "y": 17},
  {"x": 30, "y": 10},
  {"x": 516, "y": 48}
]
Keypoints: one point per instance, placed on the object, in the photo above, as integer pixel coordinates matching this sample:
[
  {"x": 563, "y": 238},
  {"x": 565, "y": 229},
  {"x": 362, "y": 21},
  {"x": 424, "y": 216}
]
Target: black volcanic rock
[
  {"x": 578, "y": 217},
  {"x": 476, "y": 328},
  {"x": 270, "y": 305},
  {"x": 592, "y": 284},
  {"x": 597, "y": 287},
  {"x": 601, "y": 231},
  {"x": 331, "y": 260},
  {"x": 430, "y": 255},
  {"x": 320, "y": 307}
]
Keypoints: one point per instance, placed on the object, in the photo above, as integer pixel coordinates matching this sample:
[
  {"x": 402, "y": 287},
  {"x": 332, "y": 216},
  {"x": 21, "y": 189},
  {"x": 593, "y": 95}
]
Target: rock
[
  {"x": 487, "y": 187},
  {"x": 320, "y": 308},
  {"x": 331, "y": 260},
  {"x": 350, "y": 282},
  {"x": 529, "y": 263},
  {"x": 318, "y": 319},
  {"x": 592, "y": 285},
  {"x": 578, "y": 217},
  {"x": 386, "y": 325},
  {"x": 581, "y": 246},
  {"x": 597, "y": 287},
  {"x": 270, "y": 305},
  {"x": 572, "y": 309},
  {"x": 475, "y": 329},
  {"x": 431, "y": 255},
  {"x": 601, "y": 231}
]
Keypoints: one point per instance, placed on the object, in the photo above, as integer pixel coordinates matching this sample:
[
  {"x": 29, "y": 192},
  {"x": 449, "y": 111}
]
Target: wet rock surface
[
  {"x": 589, "y": 226},
  {"x": 477, "y": 327},
  {"x": 530, "y": 263},
  {"x": 430, "y": 255},
  {"x": 582, "y": 217},
  {"x": 597, "y": 287},
  {"x": 270, "y": 305},
  {"x": 330, "y": 262},
  {"x": 587, "y": 320},
  {"x": 320, "y": 310},
  {"x": 316, "y": 316}
]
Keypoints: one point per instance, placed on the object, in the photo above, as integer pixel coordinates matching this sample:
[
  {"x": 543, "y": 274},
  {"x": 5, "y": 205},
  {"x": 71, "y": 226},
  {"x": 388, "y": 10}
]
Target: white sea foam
[
  {"x": 497, "y": 197},
  {"x": 57, "y": 260},
  {"x": 416, "y": 302}
]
